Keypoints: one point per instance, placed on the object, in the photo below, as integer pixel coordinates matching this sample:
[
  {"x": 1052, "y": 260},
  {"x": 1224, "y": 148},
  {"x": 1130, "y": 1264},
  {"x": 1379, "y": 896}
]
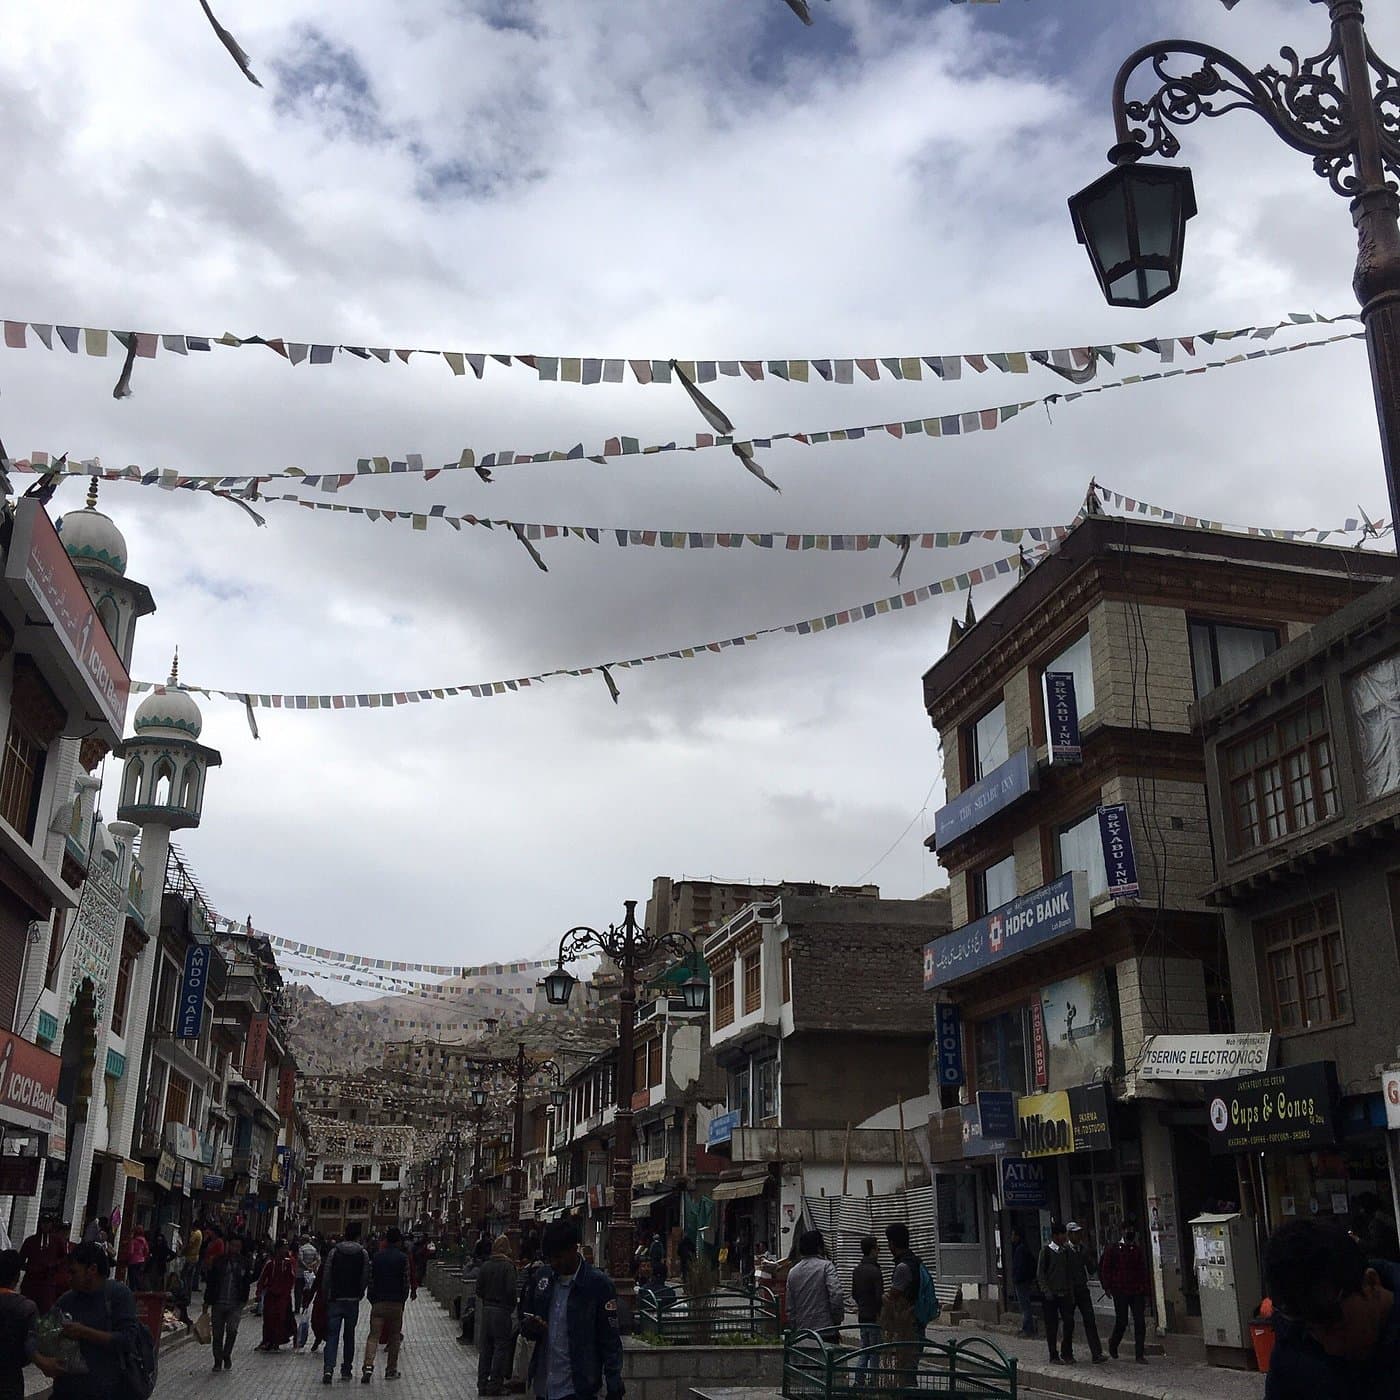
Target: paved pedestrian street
[{"x": 434, "y": 1365}]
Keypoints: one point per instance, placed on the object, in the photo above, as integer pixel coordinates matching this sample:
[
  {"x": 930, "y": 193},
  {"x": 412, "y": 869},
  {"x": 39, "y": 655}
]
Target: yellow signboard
[{"x": 1047, "y": 1128}]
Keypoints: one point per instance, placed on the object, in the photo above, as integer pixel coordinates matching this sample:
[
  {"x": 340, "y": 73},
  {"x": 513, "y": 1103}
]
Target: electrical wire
[{"x": 912, "y": 820}]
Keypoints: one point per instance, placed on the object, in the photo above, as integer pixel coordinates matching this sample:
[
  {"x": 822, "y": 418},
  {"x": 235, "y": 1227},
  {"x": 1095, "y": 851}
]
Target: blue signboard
[
  {"x": 1119, "y": 859},
  {"x": 1062, "y": 718},
  {"x": 722, "y": 1128},
  {"x": 189, "y": 1014},
  {"x": 996, "y": 1113},
  {"x": 971, "y": 807},
  {"x": 1025, "y": 1185},
  {"x": 950, "y": 1054},
  {"x": 213, "y": 1181},
  {"x": 1031, "y": 921}
]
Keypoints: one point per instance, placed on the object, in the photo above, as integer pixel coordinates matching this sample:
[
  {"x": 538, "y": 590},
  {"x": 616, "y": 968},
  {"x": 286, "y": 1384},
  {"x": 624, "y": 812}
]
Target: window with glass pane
[
  {"x": 1280, "y": 778},
  {"x": 1077, "y": 660},
  {"x": 654, "y": 1062},
  {"x": 988, "y": 742},
  {"x": 994, "y": 886},
  {"x": 766, "y": 1090},
  {"x": 1220, "y": 651},
  {"x": 787, "y": 970},
  {"x": 1080, "y": 847},
  {"x": 724, "y": 997},
  {"x": 739, "y": 1101},
  {"x": 957, "y": 1209},
  {"x": 999, "y": 1045},
  {"x": 753, "y": 982},
  {"x": 1306, "y": 965},
  {"x": 1374, "y": 695},
  {"x": 21, "y": 774}
]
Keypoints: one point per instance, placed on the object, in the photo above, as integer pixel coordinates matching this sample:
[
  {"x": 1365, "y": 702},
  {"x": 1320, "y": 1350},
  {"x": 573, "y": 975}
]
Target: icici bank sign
[
  {"x": 1390, "y": 1087},
  {"x": 28, "y": 1083}
]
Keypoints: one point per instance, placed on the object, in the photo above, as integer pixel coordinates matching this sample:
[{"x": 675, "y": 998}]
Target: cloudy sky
[{"x": 698, "y": 178}]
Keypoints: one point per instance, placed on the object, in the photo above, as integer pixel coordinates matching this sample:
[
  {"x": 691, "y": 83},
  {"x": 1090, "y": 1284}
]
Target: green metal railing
[
  {"x": 726, "y": 1313},
  {"x": 970, "y": 1369}
]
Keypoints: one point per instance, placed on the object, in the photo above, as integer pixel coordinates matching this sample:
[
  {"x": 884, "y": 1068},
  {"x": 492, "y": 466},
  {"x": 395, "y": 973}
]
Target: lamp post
[
  {"x": 631, "y": 948},
  {"x": 1342, "y": 108},
  {"x": 520, "y": 1068}
]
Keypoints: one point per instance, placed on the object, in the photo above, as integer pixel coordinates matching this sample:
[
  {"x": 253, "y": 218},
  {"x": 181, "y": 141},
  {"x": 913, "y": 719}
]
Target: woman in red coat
[
  {"x": 320, "y": 1311},
  {"x": 277, "y": 1281}
]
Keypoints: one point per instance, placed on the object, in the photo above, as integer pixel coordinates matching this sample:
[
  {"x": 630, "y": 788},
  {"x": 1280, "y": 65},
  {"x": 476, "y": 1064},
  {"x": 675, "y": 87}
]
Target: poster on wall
[{"x": 1078, "y": 1017}]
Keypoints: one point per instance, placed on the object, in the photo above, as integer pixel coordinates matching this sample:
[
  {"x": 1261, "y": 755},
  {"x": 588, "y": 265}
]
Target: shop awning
[
  {"x": 739, "y": 1190},
  {"x": 641, "y": 1205}
]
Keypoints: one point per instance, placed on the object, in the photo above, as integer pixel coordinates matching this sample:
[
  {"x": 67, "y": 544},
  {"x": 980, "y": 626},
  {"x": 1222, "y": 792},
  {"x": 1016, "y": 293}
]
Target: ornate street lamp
[
  {"x": 1342, "y": 108},
  {"x": 631, "y": 948}
]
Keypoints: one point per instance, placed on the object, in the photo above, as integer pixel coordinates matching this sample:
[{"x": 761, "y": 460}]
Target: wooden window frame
[
  {"x": 1215, "y": 623},
  {"x": 753, "y": 981},
  {"x": 21, "y": 778},
  {"x": 787, "y": 971},
  {"x": 724, "y": 997},
  {"x": 1280, "y": 942},
  {"x": 1244, "y": 786}
]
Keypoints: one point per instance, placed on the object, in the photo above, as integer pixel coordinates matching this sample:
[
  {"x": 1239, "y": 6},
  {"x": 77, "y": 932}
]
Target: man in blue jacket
[
  {"x": 1337, "y": 1317},
  {"x": 572, "y": 1317}
]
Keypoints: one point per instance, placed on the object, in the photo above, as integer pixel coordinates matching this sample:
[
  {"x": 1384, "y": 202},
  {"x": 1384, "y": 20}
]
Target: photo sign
[
  {"x": 974, "y": 805},
  {"x": 1293, "y": 1109},
  {"x": 950, "y": 1054},
  {"x": 189, "y": 1016},
  {"x": 1062, "y": 718},
  {"x": 1031, "y": 921},
  {"x": 1119, "y": 858}
]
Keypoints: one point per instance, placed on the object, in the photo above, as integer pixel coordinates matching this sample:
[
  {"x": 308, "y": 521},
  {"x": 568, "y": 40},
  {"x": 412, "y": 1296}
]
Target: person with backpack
[
  {"x": 346, "y": 1278},
  {"x": 105, "y": 1327},
  {"x": 1123, "y": 1273},
  {"x": 910, "y": 1280}
]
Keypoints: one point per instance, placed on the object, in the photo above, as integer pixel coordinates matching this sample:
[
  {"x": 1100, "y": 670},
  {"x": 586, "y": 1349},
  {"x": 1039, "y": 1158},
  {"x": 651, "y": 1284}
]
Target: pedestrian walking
[
  {"x": 1085, "y": 1266},
  {"x": 1023, "y": 1281},
  {"x": 45, "y": 1272},
  {"x": 868, "y": 1290},
  {"x": 345, "y": 1279},
  {"x": 1055, "y": 1275},
  {"x": 1123, "y": 1273},
  {"x": 572, "y": 1318},
  {"x": 104, "y": 1324},
  {"x": 225, "y": 1296},
  {"x": 815, "y": 1302},
  {"x": 276, "y": 1283},
  {"x": 19, "y": 1341},
  {"x": 392, "y": 1283},
  {"x": 194, "y": 1245},
  {"x": 1336, "y": 1316},
  {"x": 138, "y": 1252},
  {"x": 497, "y": 1289}
]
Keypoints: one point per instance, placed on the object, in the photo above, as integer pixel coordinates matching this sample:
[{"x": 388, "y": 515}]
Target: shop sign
[
  {"x": 1046, "y": 1124},
  {"x": 949, "y": 1038},
  {"x": 165, "y": 1171},
  {"x": 1040, "y": 1048},
  {"x": 189, "y": 1016},
  {"x": 1119, "y": 858},
  {"x": 945, "y": 1135},
  {"x": 287, "y": 1090},
  {"x": 58, "y": 1134},
  {"x": 1390, "y": 1088},
  {"x": 28, "y": 1083},
  {"x": 184, "y": 1141},
  {"x": 983, "y": 800},
  {"x": 722, "y": 1127},
  {"x": 1062, "y": 718},
  {"x": 649, "y": 1173},
  {"x": 256, "y": 1050},
  {"x": 1088, "y": 1116},
  {"x": 1025, "y": 1185},
  {"x": 996, "y": 1112},
  {"x": 181, "y": 1181},
  {"x": 975, "y": 1143},
  {"x": 213, "y": 1181},
  {"x": 1032, "y": 921},
  {"x": 1289, "y": 1109},
  {"x": 19, "y": 1176},
  {"x": 40, "y": 567},
  {"x": 1077, "y": 1015},
  {"x": 1205, "y": 1056}
]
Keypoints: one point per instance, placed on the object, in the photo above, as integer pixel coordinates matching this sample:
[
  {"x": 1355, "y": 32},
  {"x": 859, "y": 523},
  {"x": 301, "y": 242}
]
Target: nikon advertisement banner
[
  {"x": 1070, "y": 1120},
  {"x": 1286, "y": 1110}
]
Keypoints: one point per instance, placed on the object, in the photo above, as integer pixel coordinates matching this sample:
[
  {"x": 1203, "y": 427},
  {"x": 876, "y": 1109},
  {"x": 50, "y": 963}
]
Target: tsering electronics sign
[
  {"x": 1205, "y": 1056},
  {"x": 971, "y": 807},
  {"x": 1031, "y": 921},
  {"x": 38, "y": 560}
]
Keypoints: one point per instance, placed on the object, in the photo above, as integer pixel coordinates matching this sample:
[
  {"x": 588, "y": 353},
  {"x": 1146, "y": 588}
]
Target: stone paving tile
[{"x": 434, "y": 1366}]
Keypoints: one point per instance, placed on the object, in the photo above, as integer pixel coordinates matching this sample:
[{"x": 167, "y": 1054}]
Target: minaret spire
[
  {"x": 92, "y": 494},
  {"x": 175, "y": 668}
]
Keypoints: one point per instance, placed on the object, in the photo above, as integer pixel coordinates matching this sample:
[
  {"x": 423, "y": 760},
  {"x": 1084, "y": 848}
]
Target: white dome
[
  {"x": 169, "y": 711},
  {"x": 91, "y": 538}
]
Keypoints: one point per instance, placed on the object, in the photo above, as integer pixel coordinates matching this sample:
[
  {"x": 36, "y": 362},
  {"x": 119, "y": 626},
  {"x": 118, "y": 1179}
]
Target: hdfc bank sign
[{"x": 1390, "y": 1087}]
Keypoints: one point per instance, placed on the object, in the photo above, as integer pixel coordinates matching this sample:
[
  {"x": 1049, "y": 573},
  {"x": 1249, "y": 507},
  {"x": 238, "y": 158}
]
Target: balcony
[{"x": 665, "y": 1008}]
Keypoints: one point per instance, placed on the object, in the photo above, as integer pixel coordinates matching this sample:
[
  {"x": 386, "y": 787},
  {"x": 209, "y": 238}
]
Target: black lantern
[
  {"x": 695, "y": 991},
  {"x": 559, "y": 986},
  {"x": 558, "y": 1096},
  {"x": 479, "y": 1097},
  {"x": 1133, "y": 222}
]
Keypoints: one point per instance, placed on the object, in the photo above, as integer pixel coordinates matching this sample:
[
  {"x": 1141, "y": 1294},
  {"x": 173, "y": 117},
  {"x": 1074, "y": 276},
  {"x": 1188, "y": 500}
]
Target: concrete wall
[
  {"x": 831, "y": 1079},
  {"x": 673, "y": 1373}
]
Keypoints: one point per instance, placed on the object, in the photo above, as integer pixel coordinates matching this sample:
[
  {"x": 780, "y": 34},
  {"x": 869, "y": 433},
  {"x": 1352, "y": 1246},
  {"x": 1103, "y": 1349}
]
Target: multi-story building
[
  {"x": 583, "y": 1141},
  {"x": 358, "y": 1174},
  {"x": 1303, "y": 772},
  {"x": 1064, "y": 961},
  {"x": 808, "y": 1049}
]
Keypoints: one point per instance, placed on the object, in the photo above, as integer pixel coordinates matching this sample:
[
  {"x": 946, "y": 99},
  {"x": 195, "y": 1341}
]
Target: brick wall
[
  {"x": 1159, "y": 995},
  {"x": 830, "y": 1079},
  {"x": 1171, "y": 836}
]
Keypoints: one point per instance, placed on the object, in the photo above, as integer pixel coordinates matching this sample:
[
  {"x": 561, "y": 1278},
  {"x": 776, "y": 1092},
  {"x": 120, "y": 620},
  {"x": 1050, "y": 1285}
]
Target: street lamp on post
[
  {"x": 630, "y": 947},
  {"x": 1342, "y": 108}
]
